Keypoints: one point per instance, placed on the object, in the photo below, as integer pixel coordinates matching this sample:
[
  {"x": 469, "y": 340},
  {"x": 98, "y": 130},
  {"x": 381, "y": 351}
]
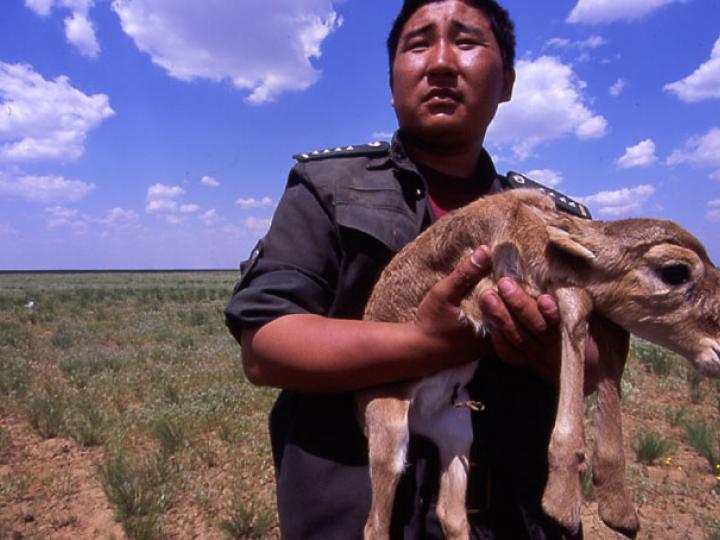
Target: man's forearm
[{"x": 312, "y": 353}]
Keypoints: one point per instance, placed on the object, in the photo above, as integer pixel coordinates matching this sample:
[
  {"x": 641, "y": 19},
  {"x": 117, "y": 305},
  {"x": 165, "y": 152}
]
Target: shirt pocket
[{"x": 380, "y": 213}]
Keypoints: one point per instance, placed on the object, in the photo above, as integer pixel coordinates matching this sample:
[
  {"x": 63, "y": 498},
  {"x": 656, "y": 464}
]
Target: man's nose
[{"x": 442, "y": 60}]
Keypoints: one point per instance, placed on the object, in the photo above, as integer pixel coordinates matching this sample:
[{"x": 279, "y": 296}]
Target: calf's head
[{"x": 651, "y": 277}]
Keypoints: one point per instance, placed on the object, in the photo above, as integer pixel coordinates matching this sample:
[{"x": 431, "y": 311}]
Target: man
[{"x": 297, "y": 308}]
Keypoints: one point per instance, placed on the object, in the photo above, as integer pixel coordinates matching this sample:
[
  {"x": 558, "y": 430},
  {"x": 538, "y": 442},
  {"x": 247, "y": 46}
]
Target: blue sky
[{"x": 153, "y": 134}]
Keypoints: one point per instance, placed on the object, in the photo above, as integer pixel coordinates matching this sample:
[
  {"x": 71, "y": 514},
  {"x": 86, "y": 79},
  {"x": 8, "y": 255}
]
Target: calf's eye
[{"x": 675, "y": 274}]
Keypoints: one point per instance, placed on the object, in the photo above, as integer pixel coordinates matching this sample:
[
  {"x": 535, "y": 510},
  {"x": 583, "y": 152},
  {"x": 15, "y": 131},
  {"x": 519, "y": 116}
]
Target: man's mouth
[{"x": 442, "y": 95}]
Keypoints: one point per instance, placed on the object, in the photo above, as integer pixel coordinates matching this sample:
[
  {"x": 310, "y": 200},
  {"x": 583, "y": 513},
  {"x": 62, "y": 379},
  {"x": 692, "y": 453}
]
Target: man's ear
[{"x": 508, "y": 84}]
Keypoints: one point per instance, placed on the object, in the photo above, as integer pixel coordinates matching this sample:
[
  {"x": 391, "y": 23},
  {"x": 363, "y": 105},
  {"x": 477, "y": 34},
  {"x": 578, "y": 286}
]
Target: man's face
[{"x": 448, "y": 76}]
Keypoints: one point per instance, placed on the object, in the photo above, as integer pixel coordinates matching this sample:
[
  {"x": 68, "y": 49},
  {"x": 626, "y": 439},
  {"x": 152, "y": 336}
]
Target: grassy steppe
[
  {"x": 124, "y": 412},
  {"x": 141, "y": 366}
]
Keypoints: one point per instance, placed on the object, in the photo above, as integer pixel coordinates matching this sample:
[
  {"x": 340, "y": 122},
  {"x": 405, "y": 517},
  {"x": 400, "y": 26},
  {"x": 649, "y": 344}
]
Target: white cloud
[
  {"x": 43, "y": 188},
  {"x": 603, "y": 11},
  {"x": 582, "y": 47},
  {"x": 119, "y": 216},
  {"x": 547, "y": 177},
  {"x": 162, "y": 191},
  {"x": 161, "y": 205},
  {"x": 621, "y": 202},
  {"x": 210, "y": 217},
  {"x": 189, "y": 208},
  {"x": 254, "y": 203},
  {"x": 381, "y": 135},
  {"x": 715, "y": 175},
  {"x": 699, "y": 151},
  {"x": 209, "y": 181},
  {"x": 264, "y": 46},
  {"x": 256, "y": 225},
  {"x": 593, "y": 42},
  {"x": 41, "y": 7},
  {"x": 79, "y": 30},
  {"x": 161, "y": 200},
  {"x": 713, "y": 214},
  {"x": 548, "y": 103},
  {"x": 59, "y": 216},
  {"x": 703, "y": 83},
  {"x": 640, "y": 155},
  {"x": 44, "y": 119},
  {"x": 617, "y": 88}
]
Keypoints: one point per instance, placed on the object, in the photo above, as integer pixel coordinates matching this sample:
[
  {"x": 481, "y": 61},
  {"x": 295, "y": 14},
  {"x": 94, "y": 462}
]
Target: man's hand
[
  {"x": 526, "y": 331},
  {"x": 438, "y": 317}
]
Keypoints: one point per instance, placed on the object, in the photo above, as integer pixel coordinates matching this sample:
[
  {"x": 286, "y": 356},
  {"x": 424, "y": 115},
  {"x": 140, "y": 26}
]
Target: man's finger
[
  {"x": 464, "y": 277},
  {"x": 523, "y": 306},
  {"x": 503, "y": 324}
]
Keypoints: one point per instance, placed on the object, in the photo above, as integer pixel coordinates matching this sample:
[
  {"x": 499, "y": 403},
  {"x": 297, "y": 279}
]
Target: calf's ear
[{"x": 570, "y": 244}]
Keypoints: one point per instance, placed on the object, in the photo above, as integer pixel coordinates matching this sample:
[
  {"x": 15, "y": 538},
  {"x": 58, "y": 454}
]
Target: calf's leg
[
  {"x": 386, "y": 425},
  {"x": 562, "y": 499},
  {"x": 608, "y": 462},
  {"x": 450, "y": 428}
]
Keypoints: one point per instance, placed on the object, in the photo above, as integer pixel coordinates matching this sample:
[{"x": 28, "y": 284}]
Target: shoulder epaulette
[
  {"x": 370, "y": 149},
  {"x": 563, "y": 202}
]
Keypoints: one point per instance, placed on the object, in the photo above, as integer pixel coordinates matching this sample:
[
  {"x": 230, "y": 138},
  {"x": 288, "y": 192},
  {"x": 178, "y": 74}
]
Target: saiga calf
[{"x": 649, "y": 276}]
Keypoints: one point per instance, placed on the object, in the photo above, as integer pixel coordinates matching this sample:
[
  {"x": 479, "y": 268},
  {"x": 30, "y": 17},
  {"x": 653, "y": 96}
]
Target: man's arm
[{"x": 312, "y": 353}]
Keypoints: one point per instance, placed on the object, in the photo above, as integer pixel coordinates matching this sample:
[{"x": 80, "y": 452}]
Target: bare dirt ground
[{"x": 58, "y": 492}]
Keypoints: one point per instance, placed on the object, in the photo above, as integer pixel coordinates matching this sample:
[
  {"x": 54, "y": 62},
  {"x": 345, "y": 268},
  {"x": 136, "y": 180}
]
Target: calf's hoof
[
  {"x": 562, "y": 500},
  {"x": 619, "y": 514}
]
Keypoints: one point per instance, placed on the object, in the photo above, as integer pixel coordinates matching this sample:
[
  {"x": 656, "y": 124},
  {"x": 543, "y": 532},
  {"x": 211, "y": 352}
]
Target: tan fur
[{"x": 618, "y": 269}]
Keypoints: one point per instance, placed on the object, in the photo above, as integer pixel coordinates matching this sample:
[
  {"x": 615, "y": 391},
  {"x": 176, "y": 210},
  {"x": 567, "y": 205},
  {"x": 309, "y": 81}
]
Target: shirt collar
[{"x": 397, "y": 156}]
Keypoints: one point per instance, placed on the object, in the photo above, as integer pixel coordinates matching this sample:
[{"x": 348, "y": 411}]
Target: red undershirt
[{"x": 447, "y": 193}]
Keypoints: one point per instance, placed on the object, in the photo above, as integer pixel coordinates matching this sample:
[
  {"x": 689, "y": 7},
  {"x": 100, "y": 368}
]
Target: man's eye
[
  {"x": 466, "y": 43},
  {"x": 417, "y": 44}
]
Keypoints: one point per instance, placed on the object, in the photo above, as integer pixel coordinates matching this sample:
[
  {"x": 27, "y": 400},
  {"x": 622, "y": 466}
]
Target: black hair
[{"x": 502, "y": 26}]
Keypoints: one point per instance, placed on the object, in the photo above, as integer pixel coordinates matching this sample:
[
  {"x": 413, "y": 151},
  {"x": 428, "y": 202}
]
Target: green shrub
[
  {"x": 650, "y": 445},
  {"x": 14, "y": 377},
  {"x": 13, "y": 335},
  {"x": 655, "y": 359},
  {"x": 694, "y": 379},
  {"x": 703, "y": 439},
  {"x": 46, "y": 413},
  {"x": 134, "y": 491},
  {"x": 171, "y": 435},
  {"x": 87, "y": 425},
  {"x": 248, "y": 519},
  {"x": 62, "y": 338},
  {"x": 676, "y": 416}
]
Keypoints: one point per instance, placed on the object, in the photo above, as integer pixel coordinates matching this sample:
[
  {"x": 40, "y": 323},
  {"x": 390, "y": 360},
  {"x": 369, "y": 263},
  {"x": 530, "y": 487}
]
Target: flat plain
[{"x": 124, "y": 413}]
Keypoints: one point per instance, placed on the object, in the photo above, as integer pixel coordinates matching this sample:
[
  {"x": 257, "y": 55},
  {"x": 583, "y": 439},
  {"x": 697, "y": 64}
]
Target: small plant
[
  {"x": 676, "y": 416},
  {"x": 171, "y": 436},
  {"x": 694, "y": 380},
  {"x": 586, "y": 479},
  {"x": 46, "y": 413},
  {"x": 13, "y": 335},
  {"x": 14, "y": 377},
  {"x": 655, "y": 359},
  {"x": 5, "y": 447},
  {"x": 703, "y": 439},
  {"x": 247, "y": 519},
  {"x": 87, "y": 425},
  {"x": 649, "y": 446},
  {"x": 135, "y": 494},
  {"x": 62, "y": 338}
]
